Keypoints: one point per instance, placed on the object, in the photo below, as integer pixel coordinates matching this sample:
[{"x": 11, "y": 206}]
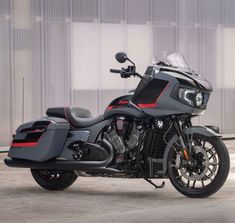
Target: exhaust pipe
[
  {"x": 93, "y": 166},
  {"x": 59, "y": 165}
]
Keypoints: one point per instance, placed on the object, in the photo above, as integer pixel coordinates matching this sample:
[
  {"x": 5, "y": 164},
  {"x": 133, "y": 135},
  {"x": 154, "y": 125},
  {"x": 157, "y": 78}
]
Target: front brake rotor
[{"x": 196, "y": 173}]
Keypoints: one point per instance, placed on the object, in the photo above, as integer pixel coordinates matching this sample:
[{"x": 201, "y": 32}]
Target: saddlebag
[{"x": 40, "y": 140}]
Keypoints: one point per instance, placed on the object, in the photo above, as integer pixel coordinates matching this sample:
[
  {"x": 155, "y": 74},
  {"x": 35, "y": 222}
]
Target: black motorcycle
[{"x": 146, "y": 133}]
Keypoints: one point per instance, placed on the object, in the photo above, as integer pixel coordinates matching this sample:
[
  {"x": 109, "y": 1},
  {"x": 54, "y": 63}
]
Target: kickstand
[{"x": 156, "y": 186}]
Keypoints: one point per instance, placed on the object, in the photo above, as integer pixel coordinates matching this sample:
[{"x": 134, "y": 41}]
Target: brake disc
[{"x": 192, "y": 175}]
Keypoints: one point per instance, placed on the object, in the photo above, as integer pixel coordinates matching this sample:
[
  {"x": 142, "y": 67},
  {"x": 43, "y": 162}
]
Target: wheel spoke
[
  {"x": 212, "y": 155},
  {"x": 188, "y": 183},
  {"x": 210, "y": 169},
  {"x": 194, "y": 182},
  {"x": 210, "y": 149},
  {"x": 213, "y": 164},
  {"x": 211, "y": 174},
  {"x": 202, "y": 183},
  {"x": 203, "y": 145}
]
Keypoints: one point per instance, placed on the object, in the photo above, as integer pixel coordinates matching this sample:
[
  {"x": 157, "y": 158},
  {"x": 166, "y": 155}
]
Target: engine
[{"x": 124, "y": 135}]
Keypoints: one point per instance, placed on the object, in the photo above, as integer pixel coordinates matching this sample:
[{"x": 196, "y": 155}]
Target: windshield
[{"x": 177, "y": 60}]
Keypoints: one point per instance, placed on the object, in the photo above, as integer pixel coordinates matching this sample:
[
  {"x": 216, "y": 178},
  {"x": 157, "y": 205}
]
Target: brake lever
[
  {"x": 128, "y": 72},
  {"x": 124, "y": 73}
]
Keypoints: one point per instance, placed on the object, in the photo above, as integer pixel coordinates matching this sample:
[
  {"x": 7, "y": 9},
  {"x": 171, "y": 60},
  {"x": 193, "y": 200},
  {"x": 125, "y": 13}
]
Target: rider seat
[{"x": 77, "y": 117}]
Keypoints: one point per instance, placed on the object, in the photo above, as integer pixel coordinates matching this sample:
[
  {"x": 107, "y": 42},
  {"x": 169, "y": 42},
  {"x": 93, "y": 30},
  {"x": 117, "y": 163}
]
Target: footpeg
[{"x": 156, "y": 186}]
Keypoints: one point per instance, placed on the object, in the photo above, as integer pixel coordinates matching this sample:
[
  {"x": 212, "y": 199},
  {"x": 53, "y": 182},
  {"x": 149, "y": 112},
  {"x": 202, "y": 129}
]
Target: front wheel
[
  {"x": 54, "y": 179},
  {"x": 209, "y": 172}
]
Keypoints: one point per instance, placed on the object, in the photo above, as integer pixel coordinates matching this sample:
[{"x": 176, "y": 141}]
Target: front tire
[
  {"x": 53, "y": 179},
  {"x": 210, "y": 173}
]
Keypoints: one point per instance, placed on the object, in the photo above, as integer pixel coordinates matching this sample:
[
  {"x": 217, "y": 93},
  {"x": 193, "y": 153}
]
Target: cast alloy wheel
[
  {"x": 54, "y": 179},
  {"x": 210, "y": 169}
]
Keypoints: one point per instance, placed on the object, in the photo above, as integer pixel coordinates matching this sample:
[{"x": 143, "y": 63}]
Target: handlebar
[
  {"x": 115, "y": 71},
  {"x": 125, "y": 73}
]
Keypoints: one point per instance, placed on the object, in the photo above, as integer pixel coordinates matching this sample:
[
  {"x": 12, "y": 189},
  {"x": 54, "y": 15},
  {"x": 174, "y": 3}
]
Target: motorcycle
[{"x": 146, "y": 133}]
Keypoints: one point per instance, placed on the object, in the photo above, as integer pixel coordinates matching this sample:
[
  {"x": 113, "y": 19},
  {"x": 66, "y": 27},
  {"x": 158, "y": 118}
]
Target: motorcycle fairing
[
  {"x": 149, "y": 91},
  {"x": 166, "y": 104},
  {"x": 198, "y": 79}
]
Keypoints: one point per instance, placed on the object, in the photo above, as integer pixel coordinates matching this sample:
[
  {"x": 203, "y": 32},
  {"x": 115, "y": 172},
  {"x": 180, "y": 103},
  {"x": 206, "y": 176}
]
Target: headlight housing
[
  {"x": 199, "y": 99},
  {"x": 191, "y": 97}
]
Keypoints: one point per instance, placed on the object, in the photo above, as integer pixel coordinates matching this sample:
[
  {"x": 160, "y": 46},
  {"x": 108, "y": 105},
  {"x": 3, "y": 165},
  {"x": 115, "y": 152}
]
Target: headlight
[
  {"x": 186, "y": 95},
  {"x": 199, "y": 99},
  {"x": 191, "y": 97}
]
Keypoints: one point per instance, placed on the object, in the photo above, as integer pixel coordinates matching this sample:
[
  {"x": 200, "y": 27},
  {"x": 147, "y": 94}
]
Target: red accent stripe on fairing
[
  {"x": 153, "y": 105},
  {"x": 24, "y": 144}
]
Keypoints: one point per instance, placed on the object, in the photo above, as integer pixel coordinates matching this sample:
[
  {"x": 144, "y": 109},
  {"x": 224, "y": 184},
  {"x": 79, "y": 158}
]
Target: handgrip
[{"x": 115, "y": 71}]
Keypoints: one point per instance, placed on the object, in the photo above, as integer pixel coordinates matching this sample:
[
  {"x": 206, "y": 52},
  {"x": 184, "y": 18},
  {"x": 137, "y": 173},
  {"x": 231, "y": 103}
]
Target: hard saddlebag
[{"x": 40, "y": 140}]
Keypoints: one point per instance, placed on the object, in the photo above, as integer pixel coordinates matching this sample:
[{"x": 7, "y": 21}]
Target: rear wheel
[
  {"x": 209, "y": 172},
  {"x": 54, "y": 179}
]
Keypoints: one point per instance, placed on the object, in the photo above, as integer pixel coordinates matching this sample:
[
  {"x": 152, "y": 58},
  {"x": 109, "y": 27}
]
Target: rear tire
[
  {"x": 54, "y": 180},
  {"x": 181, "y": 177}
]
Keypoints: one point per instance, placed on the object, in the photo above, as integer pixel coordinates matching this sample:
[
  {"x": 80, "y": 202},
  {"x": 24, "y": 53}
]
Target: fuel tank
[{"x": 123, "y": 106}]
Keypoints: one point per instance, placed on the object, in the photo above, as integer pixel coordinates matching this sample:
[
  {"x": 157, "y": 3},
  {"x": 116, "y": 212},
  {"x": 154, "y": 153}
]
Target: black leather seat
[
  {"x": 72, "y": 115},
  {"x": 77, "y": 117}
]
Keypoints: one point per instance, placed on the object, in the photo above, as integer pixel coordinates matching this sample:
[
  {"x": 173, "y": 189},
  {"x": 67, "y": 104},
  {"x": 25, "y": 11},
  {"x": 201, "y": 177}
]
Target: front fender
[
  {"x": 188, "y": 131},
  {"x": 202, "y": 130}
]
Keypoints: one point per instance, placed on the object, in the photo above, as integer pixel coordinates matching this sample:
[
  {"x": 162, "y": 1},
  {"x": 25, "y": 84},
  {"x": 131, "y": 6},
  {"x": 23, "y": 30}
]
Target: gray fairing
[
  {"x": 168, "y": 105},
  {"x": 197, "y": 78},
  {"x": 195, "y": 129}
]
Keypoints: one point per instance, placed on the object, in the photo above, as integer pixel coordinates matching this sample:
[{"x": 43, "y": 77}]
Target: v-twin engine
[{"x": 124, "y": 135}]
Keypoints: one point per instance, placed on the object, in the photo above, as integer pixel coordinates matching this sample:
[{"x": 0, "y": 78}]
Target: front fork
[{"x": 186, "y": 151}]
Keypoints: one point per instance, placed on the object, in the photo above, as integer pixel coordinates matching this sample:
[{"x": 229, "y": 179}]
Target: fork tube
[{"x": 183, "y": 141}]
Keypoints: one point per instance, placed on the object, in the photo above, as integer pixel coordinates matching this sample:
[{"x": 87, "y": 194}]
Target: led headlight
[
  {"x": 186, "y": 95},
  {"x": 199, "y": 99},
  {"x": 191, "y": 97}
]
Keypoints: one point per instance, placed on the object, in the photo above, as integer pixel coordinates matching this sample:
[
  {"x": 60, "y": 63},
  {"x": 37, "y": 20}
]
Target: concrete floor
[{"x": 110, "y": 200}]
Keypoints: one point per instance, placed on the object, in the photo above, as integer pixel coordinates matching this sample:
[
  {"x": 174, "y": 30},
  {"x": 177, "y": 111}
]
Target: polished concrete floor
[{"x": 110, "y": 200}]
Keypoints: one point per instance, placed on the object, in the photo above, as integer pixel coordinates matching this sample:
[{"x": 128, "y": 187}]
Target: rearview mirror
[{"x": 121, "y": 57}]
